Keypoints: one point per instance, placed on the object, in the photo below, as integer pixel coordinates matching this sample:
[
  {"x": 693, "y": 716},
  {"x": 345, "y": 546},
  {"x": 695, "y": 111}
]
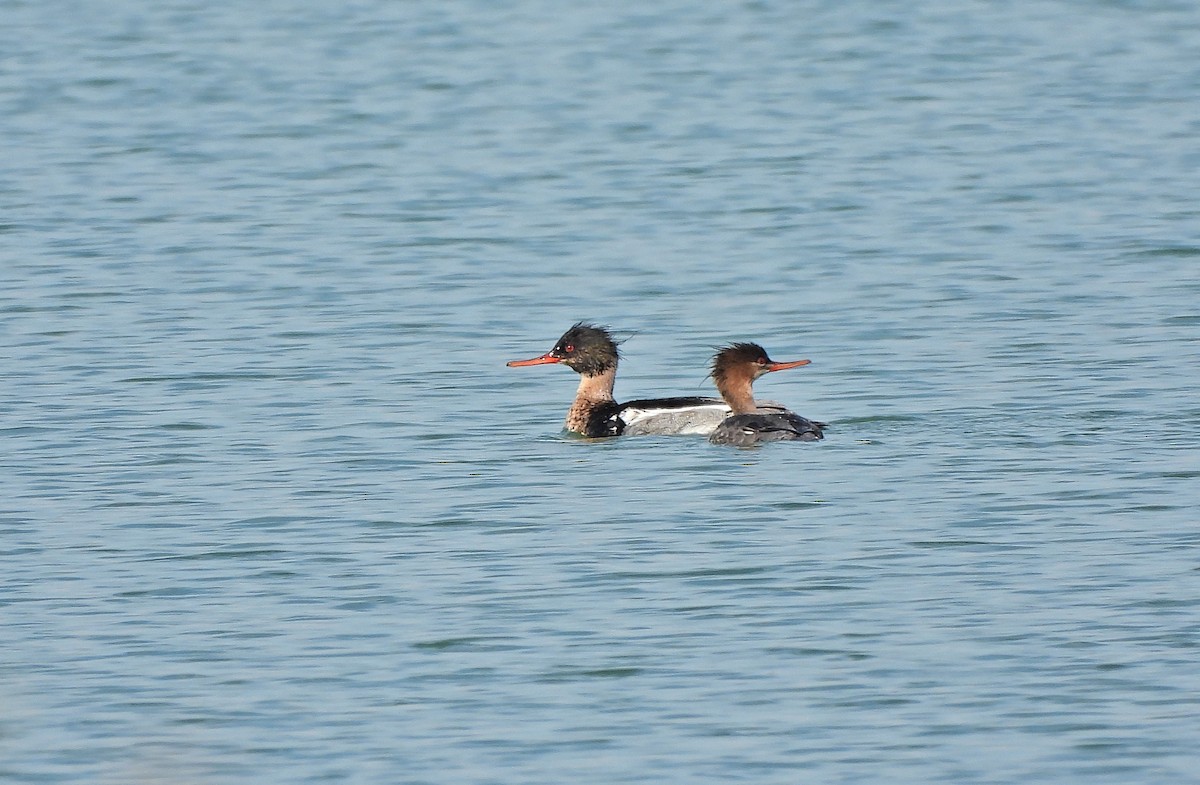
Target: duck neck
[
  {"x": 594, "y": 389},
  {"x": 739, "y": 395}
]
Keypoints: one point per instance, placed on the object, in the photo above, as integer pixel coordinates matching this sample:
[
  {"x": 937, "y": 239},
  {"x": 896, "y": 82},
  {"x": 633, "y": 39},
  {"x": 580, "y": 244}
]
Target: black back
[{"x": 670, "y": 403}]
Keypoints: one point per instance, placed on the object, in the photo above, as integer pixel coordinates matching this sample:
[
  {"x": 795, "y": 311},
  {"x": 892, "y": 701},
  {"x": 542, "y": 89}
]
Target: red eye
[
  {"x": 569, "y": 348},
  {"x": 761, "y": 361}
]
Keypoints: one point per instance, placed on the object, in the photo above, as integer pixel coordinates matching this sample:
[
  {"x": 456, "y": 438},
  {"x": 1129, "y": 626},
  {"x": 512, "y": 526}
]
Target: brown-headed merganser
[
  {"x": 734, "y": 370},
  {"x": 591, "y": 352}
]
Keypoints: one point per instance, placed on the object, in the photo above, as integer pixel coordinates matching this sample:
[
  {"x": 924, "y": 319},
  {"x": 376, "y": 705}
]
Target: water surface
[{"x": 275, "y": 511}]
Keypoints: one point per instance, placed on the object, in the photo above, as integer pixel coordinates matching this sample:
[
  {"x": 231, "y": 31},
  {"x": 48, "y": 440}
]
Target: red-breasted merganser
[
  {"x": 591, "y": 352},
  {"x": 734, "y": 370}
]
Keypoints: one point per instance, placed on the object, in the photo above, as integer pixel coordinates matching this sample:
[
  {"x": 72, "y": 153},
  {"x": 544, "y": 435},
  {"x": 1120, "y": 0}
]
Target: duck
[{"x": 734, "y": 371}]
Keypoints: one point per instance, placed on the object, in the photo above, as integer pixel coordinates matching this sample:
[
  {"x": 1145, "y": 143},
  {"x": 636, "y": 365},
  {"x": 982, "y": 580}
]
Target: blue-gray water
[{"x": 273, "y": 510}]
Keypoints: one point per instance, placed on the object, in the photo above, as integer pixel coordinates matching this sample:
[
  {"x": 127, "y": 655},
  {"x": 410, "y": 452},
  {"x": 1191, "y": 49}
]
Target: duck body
[
  {"x": 746, "y": 430},
  {"x": 647, "y": 417},
  {"x": 695, "y": 416}
]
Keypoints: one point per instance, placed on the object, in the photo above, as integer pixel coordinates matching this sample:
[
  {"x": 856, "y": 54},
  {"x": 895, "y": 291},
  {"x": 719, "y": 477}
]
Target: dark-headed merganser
[
  {"x": 734, "y": 370},
  {"x": 591, "y": 352}
]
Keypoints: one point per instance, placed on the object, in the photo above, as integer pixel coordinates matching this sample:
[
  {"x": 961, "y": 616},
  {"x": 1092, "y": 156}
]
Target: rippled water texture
[{"x": 273, "y": 510}]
